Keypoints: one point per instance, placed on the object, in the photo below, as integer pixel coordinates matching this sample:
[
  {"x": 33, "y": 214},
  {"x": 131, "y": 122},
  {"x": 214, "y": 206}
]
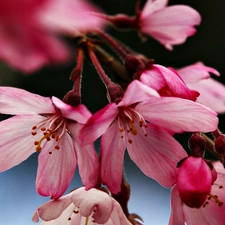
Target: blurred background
[{"x": 18, "y": 199}]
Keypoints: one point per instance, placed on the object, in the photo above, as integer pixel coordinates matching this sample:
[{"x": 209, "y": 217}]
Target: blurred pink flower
[
  {"x": 167, "y": 82},
  {"x": 30, "y": 29},
  {"x": 212, "y": 211},
  {"x": 51, "y": 127},
  {"x": 194, "y": 181},
  {"x": 212, "y": 92},
  {"x": 82, "y": 207},
  {"x": 169, "y": 25},
  {"x": 140, "y": 123}
]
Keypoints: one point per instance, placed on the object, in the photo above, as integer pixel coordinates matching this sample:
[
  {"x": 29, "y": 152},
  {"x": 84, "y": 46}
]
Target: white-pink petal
[
  {"x": 87, "y": 158},
  {"x": 164, "y": 25},
  {"x": 112, "y": 155},
  {"x": 156, "y": 154},
  {"x": 196, "y": 72},
  {"x": 53, "y": 209},
  {"x": 98, "y": 124},
  {"x": 55, "y": 168},
  {"x": 136, "y": 92},
  {"x": 178, "y": 115},
  {"x": 212, "y": 94},
  {"x": 16, "y": 140},
  {"x": 94, "y": 199},
  {"x": 152, "y": 6},
  {"x": 17, "y": 101},
  {"x": 80, "y": 113}
]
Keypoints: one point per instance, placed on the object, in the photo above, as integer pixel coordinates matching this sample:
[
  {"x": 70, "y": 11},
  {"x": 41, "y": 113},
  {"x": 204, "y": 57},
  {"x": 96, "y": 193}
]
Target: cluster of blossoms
[{"x": 148, "y": 104}]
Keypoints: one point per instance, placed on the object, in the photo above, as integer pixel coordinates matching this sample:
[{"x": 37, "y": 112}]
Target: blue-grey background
[{"x": 18, "y": 199}]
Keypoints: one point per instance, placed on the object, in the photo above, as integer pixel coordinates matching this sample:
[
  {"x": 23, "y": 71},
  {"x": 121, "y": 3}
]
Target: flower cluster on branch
[{"x": 148, "y": 104}]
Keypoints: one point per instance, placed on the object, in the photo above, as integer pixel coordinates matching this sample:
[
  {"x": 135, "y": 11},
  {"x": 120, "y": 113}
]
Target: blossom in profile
[
  {"x": 82, "y": 207},
  {"x": 51, "y": 127},
  {"x": 29, "y": 34},
  {"x": 170, "y": 25},
  {"x": 194, "y": 181},
  {"x": 211, "y": 212},
  {"x": 212, "y": 92},
  {"x": 141, "y": 123},
  {"x": 166, "y": 82}
]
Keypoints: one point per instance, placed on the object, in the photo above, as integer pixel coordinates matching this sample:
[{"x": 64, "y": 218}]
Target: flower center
[
  {"x": 52, "y": 128},
  {"x": 128, "y": 121}
]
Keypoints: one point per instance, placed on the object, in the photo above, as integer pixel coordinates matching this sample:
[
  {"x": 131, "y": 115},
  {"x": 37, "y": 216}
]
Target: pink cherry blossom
[
  {"x": 51, "y": 127},
  {"x": 170, "y": 25},
  {"x": 30, "y": 29},
  {"x": 212, "y": 92},
  {"x": 140, "y": 123},
  {"x": 194, "y": 181},
  {"x": 212, "y": 211},
  {"x": 82, "y": 207},
  {"x": 167, "y": 82}
]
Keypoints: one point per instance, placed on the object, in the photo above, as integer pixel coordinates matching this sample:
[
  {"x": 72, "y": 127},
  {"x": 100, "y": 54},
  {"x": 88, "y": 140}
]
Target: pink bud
[{"x": 194, "y": 181}]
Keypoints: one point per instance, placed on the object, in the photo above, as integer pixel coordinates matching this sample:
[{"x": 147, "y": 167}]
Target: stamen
[
  {"x": 215, "y": 199},
  {"x": 86, "y": 221}
]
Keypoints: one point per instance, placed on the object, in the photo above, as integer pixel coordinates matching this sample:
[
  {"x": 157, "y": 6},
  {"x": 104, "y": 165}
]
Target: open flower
[
  {"x": 211, "y": 212},
  {"x": 51, "y": 127},
  {"x": 169, "y": 25},
  {"x": 82, "y": 207},
  {"x": 212, "y": 92},
  {"x": 30, "y": 29},
  {"x": 140, "y": 122}
]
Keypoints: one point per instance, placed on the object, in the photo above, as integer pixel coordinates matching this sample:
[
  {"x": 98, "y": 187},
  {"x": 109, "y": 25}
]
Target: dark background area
[{"x": 17, "y": 190}]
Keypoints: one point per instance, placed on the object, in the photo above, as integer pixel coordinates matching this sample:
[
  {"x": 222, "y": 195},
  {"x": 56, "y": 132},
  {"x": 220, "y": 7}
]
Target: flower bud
[
  {"x": 220, "y": 144},
  {"x": 194, "y": 181},
  {"x": 197, "y": 145}
]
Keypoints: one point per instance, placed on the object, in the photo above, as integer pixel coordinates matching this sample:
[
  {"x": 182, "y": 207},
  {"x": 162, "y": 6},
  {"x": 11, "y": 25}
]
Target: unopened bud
[
  {"x": 72, "y": 98},
  {"x": 197, "y": 145},
  {"x": 115, "y": 93},
  {"x": 220, "y": 144}
]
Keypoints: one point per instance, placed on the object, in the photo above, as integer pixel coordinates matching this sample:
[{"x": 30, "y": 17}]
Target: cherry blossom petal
[
  {"x": 59, "y": 15},
  {"x": 18, "y": 101},
  {"x": 56, "y": 170},
  {"x": 137, "y": 92},
  {"x": 52, "y": 209},
  {"x": 196, "y": 72},
  {"x": 79, "y": 113},
  {"x": 117, "y": 216},
  {"x": 177, "y": 215},
  {"x": 212, "y": 94},
  {"x": 112, "y": 154},
  {"x": 17, "y": 142},
  {"x": 94, "y": 199},
  {"x": 178, "y": 115},
  {"x": 87, "y": 158},
  {"x": 98, "y": 124},
  {"x": 64, "y": 218},
  {"x": 156, "y": 154},
  {"x": 164, "y": 26},
  {"x": 153, "y": 6}
]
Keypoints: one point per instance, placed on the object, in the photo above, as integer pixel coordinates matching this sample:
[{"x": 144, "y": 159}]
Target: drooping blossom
[
  {"x": 170, "y": 25},
  {"x": 166, "y": 82},
  {"x": 194, "y": 181},
  {"x": 51, "y": 127},
  {"x": 82, "y": 207},
  {"x": 211, "y": 212},
  {"x": 29, "y": 34},
  {"x": 212, "y": 92},
  {"x": 141, "y": 122}
]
